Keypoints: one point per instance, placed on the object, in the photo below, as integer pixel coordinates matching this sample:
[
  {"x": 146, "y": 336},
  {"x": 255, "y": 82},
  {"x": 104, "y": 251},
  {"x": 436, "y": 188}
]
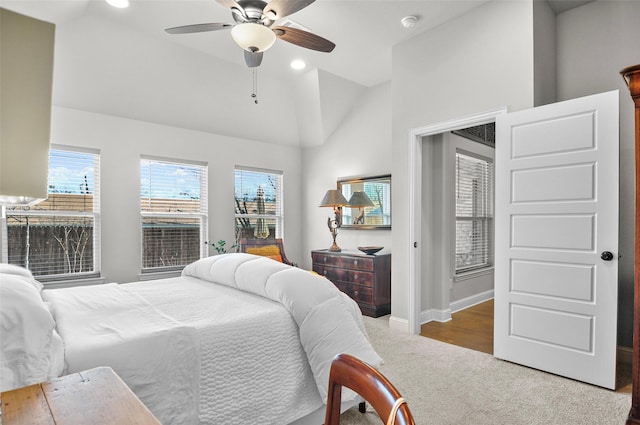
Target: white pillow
[
  {"x": 20, "y": 271},
  {"x": 13, "y": 269},
  {"x": 26, "y": 326}
]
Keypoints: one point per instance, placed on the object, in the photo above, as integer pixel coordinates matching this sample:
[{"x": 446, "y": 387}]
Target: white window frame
[
  {"x": 486, "y": 219},
  {"x": 94, "y": 215},
  {"x": 202, "y": 215},
  {"x": 279, "y": 216}
]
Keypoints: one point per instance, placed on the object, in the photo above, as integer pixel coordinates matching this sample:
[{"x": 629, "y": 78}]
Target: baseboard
[
  {"x": 471, "y": 301},
  {"x": 434, "y": 315},
  {"x": 625, "y": 355},
  {"x": 398, "y": 324}
]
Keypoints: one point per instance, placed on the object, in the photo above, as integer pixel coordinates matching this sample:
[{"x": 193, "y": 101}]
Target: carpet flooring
[{"x": 446, "y": 384}]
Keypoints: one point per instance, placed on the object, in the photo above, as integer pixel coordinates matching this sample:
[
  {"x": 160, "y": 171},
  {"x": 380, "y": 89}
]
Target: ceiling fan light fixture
[
  {"x": 253, "y": 37},
  {"x": 121, "y": 4}
]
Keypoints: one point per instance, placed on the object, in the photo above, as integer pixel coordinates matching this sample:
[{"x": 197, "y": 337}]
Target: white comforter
[
  {"x": 253, "y": 368},
  {"x": 329, "y": 321},
  {"x": 152, "y": 352},
  {"x": 257, "y": 338}
]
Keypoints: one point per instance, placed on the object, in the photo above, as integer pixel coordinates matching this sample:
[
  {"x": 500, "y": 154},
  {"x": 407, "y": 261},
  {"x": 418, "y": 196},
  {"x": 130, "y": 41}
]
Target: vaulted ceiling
[{"x": 121, "y": 62}]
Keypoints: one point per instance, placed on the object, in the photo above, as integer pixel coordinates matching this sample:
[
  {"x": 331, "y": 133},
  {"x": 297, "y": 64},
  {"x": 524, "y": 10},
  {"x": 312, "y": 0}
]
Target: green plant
[{"x": 221, "y": 248}]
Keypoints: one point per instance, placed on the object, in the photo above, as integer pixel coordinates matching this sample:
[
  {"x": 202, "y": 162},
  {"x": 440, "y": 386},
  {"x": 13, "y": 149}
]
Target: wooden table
[{"x": 93, "y": 397}]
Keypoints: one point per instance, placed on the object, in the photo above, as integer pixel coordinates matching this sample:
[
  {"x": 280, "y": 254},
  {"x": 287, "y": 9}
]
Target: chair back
[
  {"x": 375, "y": 388},
  {"x": 272, "y": 248}
]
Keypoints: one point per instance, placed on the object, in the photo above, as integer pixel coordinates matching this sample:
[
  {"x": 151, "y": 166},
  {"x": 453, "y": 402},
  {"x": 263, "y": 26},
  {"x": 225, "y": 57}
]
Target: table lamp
[
  {"x": 334, "y": 198},
  {"x": 360, "y": 200}
]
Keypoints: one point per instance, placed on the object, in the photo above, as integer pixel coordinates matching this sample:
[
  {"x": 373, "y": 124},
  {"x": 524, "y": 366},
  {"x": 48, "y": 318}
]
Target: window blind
[
  {"x": 60, "y": 237},
  {"x": 174, "y": 213},
  {"x": 258, "y": 203},
  {"x": 474, "y": 213}
]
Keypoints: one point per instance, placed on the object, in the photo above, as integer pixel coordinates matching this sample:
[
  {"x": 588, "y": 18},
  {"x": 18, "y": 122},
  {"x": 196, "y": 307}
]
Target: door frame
[{"x": 416, "y": 139}]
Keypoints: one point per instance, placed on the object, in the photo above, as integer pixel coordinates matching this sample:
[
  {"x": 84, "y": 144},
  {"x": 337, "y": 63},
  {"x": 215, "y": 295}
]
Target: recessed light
[
  {"x": 298, "y": 64},
  {"x": 121, "y": 4}
]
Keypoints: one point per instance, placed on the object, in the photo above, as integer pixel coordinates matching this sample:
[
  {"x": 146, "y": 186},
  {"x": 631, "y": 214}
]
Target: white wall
[
  {"x": 594, "y": 42},
  {"x": 359, "y": 147},
  {"x": 122, "y": 141},
  {"x": 476, "y": 63},
  {"x": 485, "y": 60},
  {"x": 106, "y": 67},
  {"x": 544, "y": 51}
]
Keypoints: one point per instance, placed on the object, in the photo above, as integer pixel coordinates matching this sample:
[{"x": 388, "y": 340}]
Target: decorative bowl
[{"x": 370, "y": 250}]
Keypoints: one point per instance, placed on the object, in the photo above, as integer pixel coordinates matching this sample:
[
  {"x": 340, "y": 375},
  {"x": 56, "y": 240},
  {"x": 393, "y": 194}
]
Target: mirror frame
[{"x": 345, "y": 185}]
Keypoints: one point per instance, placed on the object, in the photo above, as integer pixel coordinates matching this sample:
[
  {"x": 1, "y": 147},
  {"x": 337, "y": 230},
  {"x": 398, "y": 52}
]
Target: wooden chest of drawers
[{"x": 365, "y": 278}]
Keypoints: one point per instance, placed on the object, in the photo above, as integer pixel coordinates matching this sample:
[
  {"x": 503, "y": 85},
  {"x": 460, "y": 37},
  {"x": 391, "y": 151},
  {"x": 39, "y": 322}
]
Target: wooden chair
[
  {"x": 272, "y": 248},
  {"x": 375, "y": 388}
]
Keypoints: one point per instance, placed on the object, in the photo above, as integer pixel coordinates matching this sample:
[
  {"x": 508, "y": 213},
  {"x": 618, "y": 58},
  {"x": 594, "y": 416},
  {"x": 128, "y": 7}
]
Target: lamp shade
[
  {"x": 26, "y": 66},
  {"x": 334, "y": 198},
  {"x": 360, "y": 199},
  {"x": 253, "y": 37}
]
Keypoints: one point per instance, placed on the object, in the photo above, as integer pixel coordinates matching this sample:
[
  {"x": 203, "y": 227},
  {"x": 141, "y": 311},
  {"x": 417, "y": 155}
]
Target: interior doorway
[
  {"x": 470, "y": 328},
  {"x": 420, "y": 258}
]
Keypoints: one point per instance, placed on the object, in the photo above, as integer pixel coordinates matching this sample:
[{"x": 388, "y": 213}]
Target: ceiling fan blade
[
  {"x": 188, "y": 29},
  {"x": 304, "y": 39},
  {"x": 253, "y": 59},
  {"x": 281, "y": 8}
]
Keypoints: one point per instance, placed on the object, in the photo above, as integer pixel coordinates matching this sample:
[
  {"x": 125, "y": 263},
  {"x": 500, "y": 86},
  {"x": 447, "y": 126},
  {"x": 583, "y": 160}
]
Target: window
[
  {"x": 474, "y": 213},
  {"x": 173, "y": 208},
  {"x": 59, "y": 238},
  {"x": 258, "y": 203}
]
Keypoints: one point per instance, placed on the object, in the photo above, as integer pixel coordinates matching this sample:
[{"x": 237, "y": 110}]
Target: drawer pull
[
  {"x": 355, "y": 262},
  {"x": 355, "y": 293},
  {"x": 355, "y": 276},
  {"x": 324, "y": 272}
]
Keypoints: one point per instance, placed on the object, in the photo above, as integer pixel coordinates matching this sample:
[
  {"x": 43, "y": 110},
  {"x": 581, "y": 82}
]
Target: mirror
[{"x": 370, "y": 200}]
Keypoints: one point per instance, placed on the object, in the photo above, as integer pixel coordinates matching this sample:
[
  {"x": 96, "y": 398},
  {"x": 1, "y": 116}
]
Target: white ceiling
[
  {"x": 121, "y": 62},
  {"x": 364, "y": 31}
]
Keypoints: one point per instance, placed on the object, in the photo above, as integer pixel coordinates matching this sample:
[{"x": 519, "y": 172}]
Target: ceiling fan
[{"x": 253, "y": 30}]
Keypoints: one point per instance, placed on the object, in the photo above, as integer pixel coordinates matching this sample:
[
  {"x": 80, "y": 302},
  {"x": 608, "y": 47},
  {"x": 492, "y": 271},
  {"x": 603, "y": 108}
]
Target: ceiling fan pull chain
[{"x": 254, "y": 95}]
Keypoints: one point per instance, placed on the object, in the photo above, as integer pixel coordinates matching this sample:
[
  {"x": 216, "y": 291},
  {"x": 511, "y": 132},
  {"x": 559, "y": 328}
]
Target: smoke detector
[{"x": 408, "y": 21}]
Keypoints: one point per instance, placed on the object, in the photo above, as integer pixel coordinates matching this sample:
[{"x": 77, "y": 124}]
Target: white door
[{"x": 556, "y": 227}]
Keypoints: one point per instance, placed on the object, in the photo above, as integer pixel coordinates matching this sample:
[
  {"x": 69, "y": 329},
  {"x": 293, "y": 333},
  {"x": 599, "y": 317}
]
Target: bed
[{"x": 236, "y": 339}]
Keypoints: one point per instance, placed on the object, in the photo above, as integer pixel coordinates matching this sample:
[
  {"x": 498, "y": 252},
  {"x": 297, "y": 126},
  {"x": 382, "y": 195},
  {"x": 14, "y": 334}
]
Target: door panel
[{"x": 556, "y": 211}]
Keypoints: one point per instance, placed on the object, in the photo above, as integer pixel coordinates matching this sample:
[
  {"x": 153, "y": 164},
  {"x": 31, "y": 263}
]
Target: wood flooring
[{"x": 473, "y": 328}]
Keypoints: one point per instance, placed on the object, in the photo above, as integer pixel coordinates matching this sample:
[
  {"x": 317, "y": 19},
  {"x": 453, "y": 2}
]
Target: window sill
[
  {"x": 69, "y": 283},
  {"x": 159, "y": 275},
  {"x": 472, "y": 274}
]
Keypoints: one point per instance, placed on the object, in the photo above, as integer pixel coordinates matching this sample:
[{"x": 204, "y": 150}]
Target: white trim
[
  {"x": 472, "y": 274},
  {"x": 415, "y": 190},
  {"x": 398, "y": 324},
  {"x": 476, "y": 299},
  {"x": 258, "y": 170},
  {"x": 174, "y": 161},
  {"x": 70, "y": 283},
  {"x": 68, "y": 148},
  {"x": 159, "y": 275},
  {"x": 415, "y": 200},
  {"x": 433, "y": 315}
]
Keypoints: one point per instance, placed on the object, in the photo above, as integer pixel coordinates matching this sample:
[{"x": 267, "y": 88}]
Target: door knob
[{"x": 606, "y": 256}]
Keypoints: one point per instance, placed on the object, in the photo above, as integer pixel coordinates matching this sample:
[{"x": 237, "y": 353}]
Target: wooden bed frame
[{"x": 632, "y": 77}]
